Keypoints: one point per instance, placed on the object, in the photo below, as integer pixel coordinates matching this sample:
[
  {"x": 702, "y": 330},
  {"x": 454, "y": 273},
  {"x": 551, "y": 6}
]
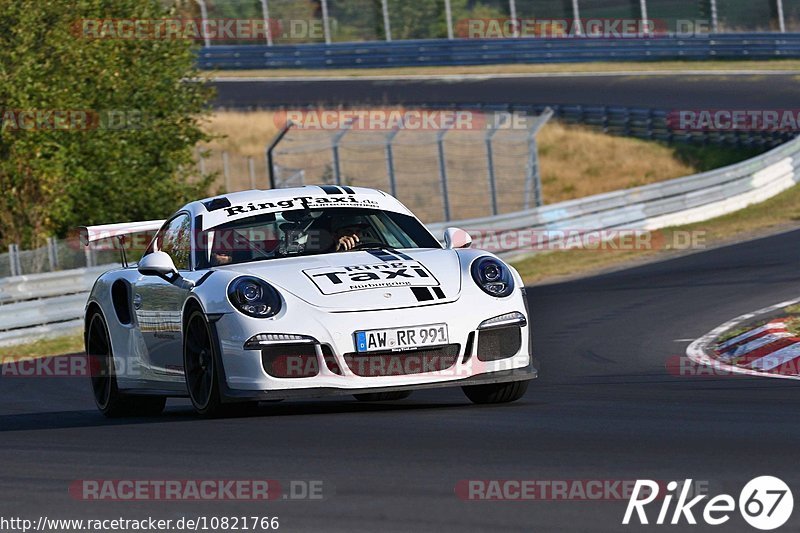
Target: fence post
[
  {"x": 490, "y": 167},
  {"x": 251, "y": 165},
  {"x": 52, "y": 253},
  {"x": 512, "y": 13},
  {"x": 88, "y": 252},
  {"x": 268, "y": 153},
  {"x": 643, "y": 14},
  {"x": 326, "y": 23},
  {"x": 781, "y": 17},
  {"x": 448, "y": 15},
  {"x": 204, "y": 17},
  {"x": 576, "y": 15},
  {"x": 443, "y": 174},
  {"x": 226, "y": 171},
  {"x": 390, "y": 161},
  {"x": 387, "y": 24},
  {"x": 265, "y": 14},
  {"x": 533, "y": 179},
  {"x": 337, "y": 170},
  {"x": 13, "y": 260},
  {"x": 714, "y": 19}
]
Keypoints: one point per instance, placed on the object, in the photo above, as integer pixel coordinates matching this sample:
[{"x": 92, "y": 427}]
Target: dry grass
[
  {"x": 779, "y": 213},
  {"x": 776, "y": 64},
  {"x": 575, "y": 162}
]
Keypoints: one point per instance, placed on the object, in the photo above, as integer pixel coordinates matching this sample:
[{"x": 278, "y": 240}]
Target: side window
[{"x": 176, "y": 241}]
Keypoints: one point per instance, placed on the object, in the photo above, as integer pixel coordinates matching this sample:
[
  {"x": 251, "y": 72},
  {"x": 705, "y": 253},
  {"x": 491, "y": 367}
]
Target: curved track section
[
  {"x": 662, "y": 91},
  {"x": 604, "y": 408}
]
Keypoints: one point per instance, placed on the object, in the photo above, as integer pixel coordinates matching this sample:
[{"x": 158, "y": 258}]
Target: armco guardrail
[
  {"x": 650, "y": 207},
  {"x": 440, "y": 52},
  {"x": 44, "y": 303}
]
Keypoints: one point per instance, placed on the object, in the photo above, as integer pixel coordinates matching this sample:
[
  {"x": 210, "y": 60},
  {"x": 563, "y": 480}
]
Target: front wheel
[
  {"x": 496, "y": 392},
  {"x": 200, "y": 365},
  {"x": 109, "y": 400}
]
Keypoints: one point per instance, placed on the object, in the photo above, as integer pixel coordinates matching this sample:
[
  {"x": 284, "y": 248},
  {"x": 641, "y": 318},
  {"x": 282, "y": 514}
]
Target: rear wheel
[
  {"x": 496, "y": 392},
  {"x": 382, "y": 396},
  {"x": 109, "y": 400},
  {"x": 200, "y": 365}
]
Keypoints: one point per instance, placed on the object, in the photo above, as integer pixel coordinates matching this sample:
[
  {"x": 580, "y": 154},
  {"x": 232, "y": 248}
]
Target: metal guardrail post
[
  {"x": 204, "y": 21},
  {"x": 643, "y": 13},
  {"x": 337, "y": 169},
  {"x": 52, "y": 253},
  {"x": 390, "y": 161},
  {"x": 533, "y": 178},
  {"x": 781, "y": 16},
  {"x": 576, "y": 15},
  {"x": 251, "y": 167},
  {"x": 326, "y": 23},
  {"x": 271, "y": 148},
  {"x": 490, "y": 168},
  {"x": 512, "y": 11},
  {"x": 387, "y": 24},
  {"x": 714, "y": 17},
  {"x": 13, "y": 265},
  {"x": 448, "y": 15},
  {"x": 443, "y": 174},
  {"x": 226, "y": 170},
  {"x": 268, "y": 26}
]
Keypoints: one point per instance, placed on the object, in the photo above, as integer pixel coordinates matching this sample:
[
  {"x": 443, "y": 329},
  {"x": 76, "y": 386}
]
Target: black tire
[
  {"x": 496, "y": 392},
  {"x": 109, "y": 400},
  {"x": 382, "y": 396},
  {"x": 200, "y": 365}
]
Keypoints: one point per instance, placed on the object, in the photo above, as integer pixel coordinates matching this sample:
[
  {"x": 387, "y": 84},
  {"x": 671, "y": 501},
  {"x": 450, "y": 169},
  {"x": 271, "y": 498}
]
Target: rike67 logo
[{"x": 765, "y": 503}]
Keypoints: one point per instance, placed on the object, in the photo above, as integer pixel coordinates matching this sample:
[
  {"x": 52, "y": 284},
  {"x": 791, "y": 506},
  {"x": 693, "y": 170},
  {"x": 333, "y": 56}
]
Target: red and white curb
[{"x": 766, "y": 351}]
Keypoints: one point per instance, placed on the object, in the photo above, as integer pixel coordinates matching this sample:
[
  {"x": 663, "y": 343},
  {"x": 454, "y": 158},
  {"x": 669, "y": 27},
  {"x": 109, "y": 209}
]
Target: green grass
[
  {"x": 67, "y": 344},
  {"x": 777, "y": 213}
]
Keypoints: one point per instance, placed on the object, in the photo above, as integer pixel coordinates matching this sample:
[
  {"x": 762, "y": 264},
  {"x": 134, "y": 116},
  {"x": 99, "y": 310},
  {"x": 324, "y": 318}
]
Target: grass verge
[
  {"x": 777, "y": 213},
  {"x": 66, "y": 344},
  {"x": 666, "y": 66}
]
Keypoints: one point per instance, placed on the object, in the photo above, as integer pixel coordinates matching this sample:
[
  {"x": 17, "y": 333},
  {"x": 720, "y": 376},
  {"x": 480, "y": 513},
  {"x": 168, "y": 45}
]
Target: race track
[
  {"x": 671, "y": 91},
  {"x": 604, "y": 408}
]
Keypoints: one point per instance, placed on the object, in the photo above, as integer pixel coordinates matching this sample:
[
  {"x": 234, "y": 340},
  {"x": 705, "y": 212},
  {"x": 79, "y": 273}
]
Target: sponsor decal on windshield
[{"x": 335, "y": 280}]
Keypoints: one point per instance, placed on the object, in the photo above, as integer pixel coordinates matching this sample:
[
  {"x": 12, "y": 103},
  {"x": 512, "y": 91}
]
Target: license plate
[{"x": 407, "y": 338}]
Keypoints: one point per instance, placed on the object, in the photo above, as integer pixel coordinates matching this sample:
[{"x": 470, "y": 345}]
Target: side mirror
[
  {"x": 456, "y": 238},
  {"x": 159, "y": 264}
]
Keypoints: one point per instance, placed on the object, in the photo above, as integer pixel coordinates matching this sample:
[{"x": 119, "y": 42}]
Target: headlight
[
  {"x": 254, "y": 297},
  {"x": 493, "y": 276}
]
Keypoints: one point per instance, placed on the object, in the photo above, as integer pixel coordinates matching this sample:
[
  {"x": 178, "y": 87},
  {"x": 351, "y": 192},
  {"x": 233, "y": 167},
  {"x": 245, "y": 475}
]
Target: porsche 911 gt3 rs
[{"x": 305, "y": 292}]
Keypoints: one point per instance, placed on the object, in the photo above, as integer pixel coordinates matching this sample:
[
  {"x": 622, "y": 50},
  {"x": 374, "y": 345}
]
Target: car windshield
[{"x": 309, "y": 232}]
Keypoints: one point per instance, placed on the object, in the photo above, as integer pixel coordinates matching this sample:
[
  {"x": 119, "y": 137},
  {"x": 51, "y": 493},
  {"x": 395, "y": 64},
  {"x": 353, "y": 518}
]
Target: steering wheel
[{"x": 366, "y": 244}]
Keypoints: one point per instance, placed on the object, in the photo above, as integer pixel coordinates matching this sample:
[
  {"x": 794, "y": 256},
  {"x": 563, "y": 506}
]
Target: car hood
[{"x": 365, "y": 280}]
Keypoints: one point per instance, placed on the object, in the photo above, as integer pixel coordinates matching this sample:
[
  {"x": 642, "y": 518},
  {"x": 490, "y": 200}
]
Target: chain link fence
[{"x": 331, "y": 21}]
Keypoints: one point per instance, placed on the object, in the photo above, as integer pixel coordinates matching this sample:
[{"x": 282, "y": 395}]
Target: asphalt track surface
[
  {"x": 673, "y": 91},
  {"x": 604, "y": 408}
]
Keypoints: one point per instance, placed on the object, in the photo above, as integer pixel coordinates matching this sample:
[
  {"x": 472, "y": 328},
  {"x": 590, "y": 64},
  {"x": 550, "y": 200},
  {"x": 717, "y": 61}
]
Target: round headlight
[
  {"x": 493, "y": 276},
  {"x": 254, "y": 297}
]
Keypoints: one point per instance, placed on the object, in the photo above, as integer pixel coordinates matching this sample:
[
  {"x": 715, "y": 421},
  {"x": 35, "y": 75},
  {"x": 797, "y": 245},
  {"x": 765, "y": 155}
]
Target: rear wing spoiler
[{"x": 90, "y": 234}]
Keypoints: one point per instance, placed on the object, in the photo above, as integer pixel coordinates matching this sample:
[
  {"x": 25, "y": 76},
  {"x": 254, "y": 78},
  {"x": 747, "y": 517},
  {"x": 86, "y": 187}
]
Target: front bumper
[{"x": 244, "y": 377}]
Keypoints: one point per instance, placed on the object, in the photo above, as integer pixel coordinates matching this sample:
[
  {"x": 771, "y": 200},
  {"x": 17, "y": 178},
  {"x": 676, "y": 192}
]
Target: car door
[{"x": 158, "y": 304}]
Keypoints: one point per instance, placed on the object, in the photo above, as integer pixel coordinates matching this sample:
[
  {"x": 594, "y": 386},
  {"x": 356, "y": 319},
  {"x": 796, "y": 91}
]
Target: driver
[{"x": 347, "y": 232}]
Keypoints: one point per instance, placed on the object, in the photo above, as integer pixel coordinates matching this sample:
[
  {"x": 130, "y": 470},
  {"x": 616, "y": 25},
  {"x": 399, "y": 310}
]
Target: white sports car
[{"x": 306, "y": 292}]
